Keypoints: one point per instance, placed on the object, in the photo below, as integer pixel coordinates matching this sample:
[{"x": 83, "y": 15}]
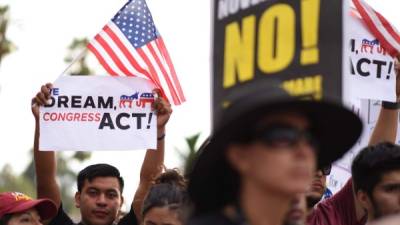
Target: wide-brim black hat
[{"x": 213, "y": 183}]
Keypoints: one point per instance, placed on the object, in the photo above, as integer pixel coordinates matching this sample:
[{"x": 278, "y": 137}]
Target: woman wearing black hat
[{"x": 265, "y": 152}]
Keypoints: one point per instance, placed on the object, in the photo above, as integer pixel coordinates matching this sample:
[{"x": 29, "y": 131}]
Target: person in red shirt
[{"x": 347, "y": 207}]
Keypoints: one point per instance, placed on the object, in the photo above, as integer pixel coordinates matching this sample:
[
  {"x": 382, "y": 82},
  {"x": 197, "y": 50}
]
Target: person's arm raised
[
  {"x": 386, "y": 125},
  {"x": 385, "y": 129},
  {"x": 154, "y": 159},
  {"x": 45, "y": 162}
]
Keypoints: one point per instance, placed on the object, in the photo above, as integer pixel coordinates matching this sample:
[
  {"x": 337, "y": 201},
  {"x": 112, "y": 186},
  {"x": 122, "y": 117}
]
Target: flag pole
[{"x": 79, "y": 57}]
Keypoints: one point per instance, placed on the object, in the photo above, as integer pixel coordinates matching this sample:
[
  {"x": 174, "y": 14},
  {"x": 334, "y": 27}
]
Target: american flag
[
  {"x": 130, "y": 45},
  {"x": 387, "y": 35}
]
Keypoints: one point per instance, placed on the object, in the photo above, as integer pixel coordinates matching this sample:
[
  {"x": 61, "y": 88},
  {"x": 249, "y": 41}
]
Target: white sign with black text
[{"x": 94, "y": 113}]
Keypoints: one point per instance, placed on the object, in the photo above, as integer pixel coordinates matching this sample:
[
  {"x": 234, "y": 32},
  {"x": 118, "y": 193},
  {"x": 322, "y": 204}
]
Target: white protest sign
[
  {"x": 94, "y": 113},
  {"x": 341, "y": 171},
  {"x": 372, "y": 73}
]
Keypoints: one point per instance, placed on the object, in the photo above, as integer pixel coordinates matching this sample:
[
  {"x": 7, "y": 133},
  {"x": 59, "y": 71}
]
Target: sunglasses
[
  {"x": 326, "y": 170},
  {"x": 284, "y": 136}
]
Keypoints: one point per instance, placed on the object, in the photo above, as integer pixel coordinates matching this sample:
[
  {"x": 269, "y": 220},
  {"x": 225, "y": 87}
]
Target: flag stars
[{"x": 136, "y": 23}]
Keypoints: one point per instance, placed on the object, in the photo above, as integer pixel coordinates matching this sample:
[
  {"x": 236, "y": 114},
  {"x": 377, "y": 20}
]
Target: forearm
[
  {"x": 154, "y": 159},
  {"x": 386, "y": 127},
  {"x": 45, "y": 166},
  {"x": 151, "y": 168}
]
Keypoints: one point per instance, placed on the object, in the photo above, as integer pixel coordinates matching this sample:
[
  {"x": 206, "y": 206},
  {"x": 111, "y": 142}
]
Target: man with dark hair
[
  {"x": 100, "y": 186},
  {"x": 376, "y": 179},
  {"x": 99, "y": 170},
  {"x": 347, "y": 207}
]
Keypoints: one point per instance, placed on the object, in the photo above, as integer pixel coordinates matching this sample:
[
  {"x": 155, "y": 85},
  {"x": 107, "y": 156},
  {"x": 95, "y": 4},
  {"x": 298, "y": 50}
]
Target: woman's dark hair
[
  {"x": 4, "y": 220},
  {"x": 168, "y": 190}
]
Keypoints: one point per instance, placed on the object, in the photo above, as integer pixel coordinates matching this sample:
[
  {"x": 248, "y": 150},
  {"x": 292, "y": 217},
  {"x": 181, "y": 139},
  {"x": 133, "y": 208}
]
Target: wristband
[
  {"x": 390, "y": 105},
  {"x": 161, "y": 137}
]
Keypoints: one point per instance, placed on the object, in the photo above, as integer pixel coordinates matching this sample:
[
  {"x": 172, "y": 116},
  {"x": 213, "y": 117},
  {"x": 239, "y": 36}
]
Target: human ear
[
  {"x": 77, "y": 199},
  {"x": 364, "y": 200},
  {"x": 237, "y": 158}
]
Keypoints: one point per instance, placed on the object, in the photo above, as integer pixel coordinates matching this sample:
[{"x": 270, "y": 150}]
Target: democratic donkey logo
[{"x": 127, "y": 101}]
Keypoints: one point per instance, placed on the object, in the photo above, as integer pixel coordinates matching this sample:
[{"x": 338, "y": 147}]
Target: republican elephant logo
[{"x": 145, "y": 98}]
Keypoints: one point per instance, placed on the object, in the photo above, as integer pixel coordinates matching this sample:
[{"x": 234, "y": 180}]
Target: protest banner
[
  {"x": 295, "y": 43},
  {"x": 368, "y": 110},
  {"x": 92, "y": 113},
  {"x": 371, "y": 66}
]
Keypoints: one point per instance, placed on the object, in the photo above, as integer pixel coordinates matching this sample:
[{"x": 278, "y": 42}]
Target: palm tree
[
  {"x": 189, "y": 155},
  {"x": 6, "y": 46}
]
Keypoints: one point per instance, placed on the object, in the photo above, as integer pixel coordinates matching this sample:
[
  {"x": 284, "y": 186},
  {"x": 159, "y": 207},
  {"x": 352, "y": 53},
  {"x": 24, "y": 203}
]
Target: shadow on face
[
  {"x": 29, "y": 217},
  {"x": 316, "y": 190},
  {"x": 386, "y": 196},
  {"x": 280, "y": 157},
  {"x": 297, "y": 212}
]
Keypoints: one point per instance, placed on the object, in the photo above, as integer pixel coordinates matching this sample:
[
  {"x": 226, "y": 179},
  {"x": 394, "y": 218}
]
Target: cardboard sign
[
  {"x": 295, "y": 43},
  {"x": 92, "y": 113},
  {"x": 372, "y": 73}
]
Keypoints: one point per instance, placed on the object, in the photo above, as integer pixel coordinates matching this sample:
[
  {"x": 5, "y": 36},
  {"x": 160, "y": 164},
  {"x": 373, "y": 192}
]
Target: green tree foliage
[
  {"x": 66, "y": 176},
  {"x": 189, "y": 154},
  {"x": 25, "y": 182},
  {"x": 10, "y": 181},
  {"x": 78, "y": 49},
  {"x": 6, "y": 46}
]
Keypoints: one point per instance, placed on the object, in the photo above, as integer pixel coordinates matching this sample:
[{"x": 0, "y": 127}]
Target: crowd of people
[
  {"x": 265, "y": 163},
  {"x": 268, "y": 168}
]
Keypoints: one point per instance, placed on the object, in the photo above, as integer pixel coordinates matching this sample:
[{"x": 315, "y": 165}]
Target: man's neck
[{"x": 262, "y": 207}]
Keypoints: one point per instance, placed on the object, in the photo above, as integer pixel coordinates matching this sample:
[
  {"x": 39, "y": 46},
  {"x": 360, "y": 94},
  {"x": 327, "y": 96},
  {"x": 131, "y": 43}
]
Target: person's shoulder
[
  {"x": 61, "y": 218},
  {"x": 210, "y": 219},
  {"x": 129, "y": 219}
]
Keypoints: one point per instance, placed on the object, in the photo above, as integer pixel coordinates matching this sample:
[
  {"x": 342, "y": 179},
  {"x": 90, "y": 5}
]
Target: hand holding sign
[
  {"x": 397, "y": 68},
  {"x": 40, "y": 99},
  {"x": 109, "y": 114},
  {"x": 162, "y": 108}
]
